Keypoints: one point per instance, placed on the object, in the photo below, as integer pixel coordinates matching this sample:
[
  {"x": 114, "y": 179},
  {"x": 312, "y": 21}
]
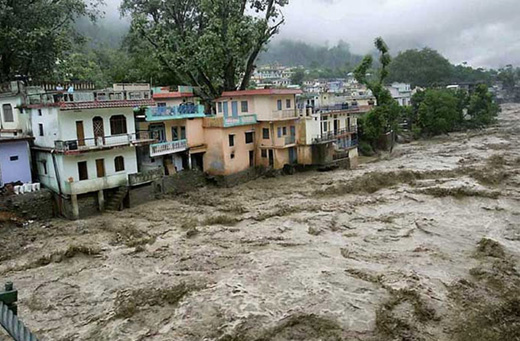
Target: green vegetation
[
  {"x": 35, "y": 34},
  {"x": 212, "y": 45},
  {"x": 385, "y": 117},
  {"x": 440, "y": 111}
]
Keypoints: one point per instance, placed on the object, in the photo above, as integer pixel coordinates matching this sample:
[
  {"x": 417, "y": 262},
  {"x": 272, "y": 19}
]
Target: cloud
[{"x": 480, "y": 32}]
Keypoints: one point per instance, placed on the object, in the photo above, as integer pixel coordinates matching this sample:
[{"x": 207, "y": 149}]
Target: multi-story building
[
  {"x": 85, "y": 142},
  {"x": 15, "y": 135},
  {"x": 176, "y": 122}
]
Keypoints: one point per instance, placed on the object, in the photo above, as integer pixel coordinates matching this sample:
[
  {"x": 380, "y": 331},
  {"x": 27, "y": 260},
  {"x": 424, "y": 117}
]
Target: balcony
[
  {"x": 166, "y": 148},
  {"x": 101, "y": 142},
  {"x": 334, "y": 135},
  {"x": 284, "y": 114},
  {"x": 290, "y": 140},
  {"x": 174, "y": 113},
  {"x": 94, "y": 185},
  {"x": 227, "y": 122}
]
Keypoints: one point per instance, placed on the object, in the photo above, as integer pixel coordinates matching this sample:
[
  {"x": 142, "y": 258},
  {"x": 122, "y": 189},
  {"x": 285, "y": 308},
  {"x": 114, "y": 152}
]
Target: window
[
  {"x": 231, "y": 140},
  {"x": 288, "y": 104},
  {"x": 325, "y": 127},
  {"x": 8, "y": 113},
  {"x": 161, "y": 105},
  {"x": 279, "y": 104},
  {"x": 265, "y": 133},
  {"x": 249, "y": 137},
  {"x": 219, "y": 104},
  {"x": 39, "y": 112},
  {"x": 264, "y": 153},
  {"x": 44, "y": 167},
  {"x": 82, "y": 170},
  {"x": 232, "y": 155},
  {"x": 183, "y": 133},
  {"x": 175, "y": 134},
  {"x": 293, "y": 131},
  {"x": 119, "y": 163},
  {"x": 284, "y": 131},
  {"x": 279, "y": 132},
  {"x": 100, "y": 168},
  {"x": 118, "y": 125},
  {"x": 245, "y": 106},
  {"x": 40, "y": 129},
  {"x": 14, "y": 158}
]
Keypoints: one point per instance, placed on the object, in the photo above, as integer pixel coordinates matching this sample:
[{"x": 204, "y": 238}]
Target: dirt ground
[{"x": 423, "y": 244}]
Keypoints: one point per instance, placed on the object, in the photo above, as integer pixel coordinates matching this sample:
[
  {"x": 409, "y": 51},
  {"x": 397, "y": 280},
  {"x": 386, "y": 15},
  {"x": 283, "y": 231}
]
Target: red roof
[
  {"x": 261, "y": 92},
  {"x": 164, "y": 95}
]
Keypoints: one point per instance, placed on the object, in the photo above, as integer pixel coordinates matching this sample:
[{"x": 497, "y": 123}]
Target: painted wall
[
  {"x": 15, "y": 170},
  {"x": 275, "y": 139},
  {"x": 51, "y": 126},
  {"x": 21, "y": 119},
  {"x": 194, "y": 129},
  {"x": 218, "y": 159},
  {"x": 262, "y": 106}
]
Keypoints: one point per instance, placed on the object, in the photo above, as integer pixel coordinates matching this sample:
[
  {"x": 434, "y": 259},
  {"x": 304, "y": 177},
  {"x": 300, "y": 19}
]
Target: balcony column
[
  {"x": 75, "y": 206},
  {"x": 101, "y": 201}
]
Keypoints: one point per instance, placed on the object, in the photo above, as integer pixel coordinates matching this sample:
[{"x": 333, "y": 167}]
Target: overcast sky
[{"x": 484, "y": 33}]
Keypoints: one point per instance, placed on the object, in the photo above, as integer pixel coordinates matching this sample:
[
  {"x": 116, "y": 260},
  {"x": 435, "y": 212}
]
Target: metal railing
[
  {"x": 101, "y": 142},
  {"x": 174, "y": 112},
  {"x": 8, "y": 319},
  {"x": 334, "y": 135},
  {"x": 165, "y": 148}
]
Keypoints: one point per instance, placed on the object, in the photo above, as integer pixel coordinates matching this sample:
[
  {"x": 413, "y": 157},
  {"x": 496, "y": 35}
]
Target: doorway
[
  {"x": 251, "y": 158},
  {"x": 271, "y": 158},
  {"x": 80, "y": 133},
  {"x": 293, "y": 156}
]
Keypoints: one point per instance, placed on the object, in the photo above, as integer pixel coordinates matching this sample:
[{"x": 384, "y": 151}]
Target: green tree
[
  {"x": 438, "y": 112},
  {"x": 298, "y": 76},
  {"x": 210, "y": 44},
  {"x": 35, "y": 34},
  {"x": 385, "y": 117},
  {"x": 422, "y": 68},
  {"x": 481, "y": 109}
]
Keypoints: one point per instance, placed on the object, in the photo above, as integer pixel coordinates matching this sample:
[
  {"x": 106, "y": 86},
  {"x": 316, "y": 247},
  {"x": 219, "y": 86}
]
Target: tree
[
  {"x": 210, "y": 44},
  {"x": 36, "y": 34},
  {"x": 481, "y": 109},
  {"x": 422, "y": 68},
  {"x": 298, "y": 76},
  {"x": 438, "y": 112},
  {"x": 385, "y": 117}
]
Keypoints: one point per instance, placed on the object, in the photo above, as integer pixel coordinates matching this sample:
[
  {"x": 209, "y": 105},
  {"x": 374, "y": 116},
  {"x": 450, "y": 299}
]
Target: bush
[{"x": 366, "y": 149}]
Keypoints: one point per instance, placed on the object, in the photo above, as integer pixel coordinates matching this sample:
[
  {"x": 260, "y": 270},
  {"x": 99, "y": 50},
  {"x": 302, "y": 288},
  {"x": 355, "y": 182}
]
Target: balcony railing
[
  {"x": 226, "y": 122},
  {"x": 101, "y": 142},
  {"x": 284, "y": 114},
  {"x": 145, "y": 177},
  {"x": 348, "y": 144},
  {"x": 166, "y": 148},
  {"x": 174, "y": 112},
  {"x": 290, "y": 140},
  {"x": 334, "y": 135}
]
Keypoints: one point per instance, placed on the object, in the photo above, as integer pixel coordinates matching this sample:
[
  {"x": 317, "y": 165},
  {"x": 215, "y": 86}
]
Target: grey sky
[{"x": 481, "y": 32}]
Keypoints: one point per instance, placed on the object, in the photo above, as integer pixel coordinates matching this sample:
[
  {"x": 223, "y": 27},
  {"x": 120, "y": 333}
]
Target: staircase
[{"x": 116, "y": 201}]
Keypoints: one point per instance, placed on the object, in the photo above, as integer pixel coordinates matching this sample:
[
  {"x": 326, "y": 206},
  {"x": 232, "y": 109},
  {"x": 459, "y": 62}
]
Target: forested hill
[{"x": 298, "y": 53}]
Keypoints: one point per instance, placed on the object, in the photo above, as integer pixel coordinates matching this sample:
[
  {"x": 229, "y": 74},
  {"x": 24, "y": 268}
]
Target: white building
[
  {"x": 402, "y": 93},
  {"x": 85, "y": 142}
]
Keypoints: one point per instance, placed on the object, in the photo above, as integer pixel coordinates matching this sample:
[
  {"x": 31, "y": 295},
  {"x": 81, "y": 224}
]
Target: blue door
[
  {"x": 226, "y": 110},
  {"x": 234, "y": 108}
]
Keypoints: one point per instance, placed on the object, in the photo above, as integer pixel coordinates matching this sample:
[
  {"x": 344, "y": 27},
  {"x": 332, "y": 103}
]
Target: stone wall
[
  {"x": 87, "y": 203},
  {"x": 34, "y": 206},
  {"x": 145, "y": 193}
]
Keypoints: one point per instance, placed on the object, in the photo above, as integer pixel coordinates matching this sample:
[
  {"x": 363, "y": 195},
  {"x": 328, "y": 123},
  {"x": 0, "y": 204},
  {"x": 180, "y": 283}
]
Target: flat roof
[
  {"x": 165, "y": 95},
  {"x": 261, "y": 92}
]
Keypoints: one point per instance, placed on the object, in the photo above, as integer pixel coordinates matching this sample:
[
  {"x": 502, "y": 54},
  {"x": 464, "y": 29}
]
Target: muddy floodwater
[{"x": 423, "y": 244}]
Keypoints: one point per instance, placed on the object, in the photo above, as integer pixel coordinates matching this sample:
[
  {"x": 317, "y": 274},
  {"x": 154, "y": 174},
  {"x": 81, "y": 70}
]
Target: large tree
[
  {"x": 36, "y": 34},
  {"x": 210, "y": 44},
  {"x": 423, "y": 68}
]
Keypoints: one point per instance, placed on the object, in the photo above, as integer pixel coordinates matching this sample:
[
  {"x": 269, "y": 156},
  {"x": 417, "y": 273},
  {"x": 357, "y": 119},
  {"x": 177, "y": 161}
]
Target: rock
[{"x": 314, "y": 230}]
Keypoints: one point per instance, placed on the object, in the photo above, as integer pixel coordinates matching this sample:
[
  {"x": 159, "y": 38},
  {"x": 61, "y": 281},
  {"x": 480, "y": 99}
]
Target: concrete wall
[
  {"x": 218, "y": 158},
  {"x": 51, "y": 126},
  {"x": 18, "y": 168},
  {"x": 262, "y": 106},
  {"x": 21, "y": 120}
]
